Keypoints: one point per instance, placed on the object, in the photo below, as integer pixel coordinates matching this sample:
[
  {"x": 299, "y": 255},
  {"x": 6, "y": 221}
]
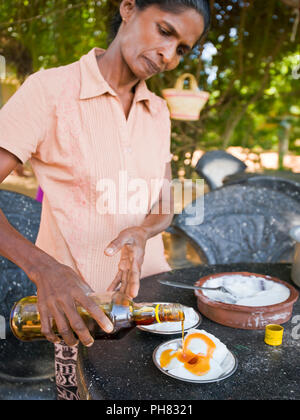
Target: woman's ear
[{"x": 127, "y": 9}]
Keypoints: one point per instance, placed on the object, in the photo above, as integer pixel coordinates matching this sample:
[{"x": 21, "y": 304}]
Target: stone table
[{"x": 122, "y": 369}]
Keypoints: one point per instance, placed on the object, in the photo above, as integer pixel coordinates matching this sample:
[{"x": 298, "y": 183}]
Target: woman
[{"x": 81, "y": 124}]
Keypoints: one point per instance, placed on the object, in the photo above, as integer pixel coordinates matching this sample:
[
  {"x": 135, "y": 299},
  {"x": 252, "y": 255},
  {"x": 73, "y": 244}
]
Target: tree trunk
[
  {"x": 283, "y": 146},
  {"x": 233, "y": 122},
  {"x": 231, "y": 125}
]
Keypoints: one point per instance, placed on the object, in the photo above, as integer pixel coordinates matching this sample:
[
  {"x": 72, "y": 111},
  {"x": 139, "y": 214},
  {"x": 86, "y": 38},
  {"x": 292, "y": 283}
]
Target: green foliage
[{"x": 247, "y": 65}]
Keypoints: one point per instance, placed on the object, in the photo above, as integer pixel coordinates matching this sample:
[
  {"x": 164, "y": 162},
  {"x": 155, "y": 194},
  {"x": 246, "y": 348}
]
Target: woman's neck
[{"x": 115, "y": 71}]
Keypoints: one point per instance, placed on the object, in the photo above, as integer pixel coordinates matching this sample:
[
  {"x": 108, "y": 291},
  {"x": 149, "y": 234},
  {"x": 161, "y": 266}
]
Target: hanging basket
[{"x": 185, "y": 104}]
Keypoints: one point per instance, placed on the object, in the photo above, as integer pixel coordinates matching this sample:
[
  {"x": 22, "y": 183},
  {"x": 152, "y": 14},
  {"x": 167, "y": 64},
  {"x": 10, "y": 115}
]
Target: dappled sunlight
[{"x": 257, "y": 162}]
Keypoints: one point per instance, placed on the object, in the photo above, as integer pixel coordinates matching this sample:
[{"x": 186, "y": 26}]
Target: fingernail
[
  {"x": 90, "y": 345},
  {"x": 109, "y": 250},
  {"x": 109, "y": 328}
]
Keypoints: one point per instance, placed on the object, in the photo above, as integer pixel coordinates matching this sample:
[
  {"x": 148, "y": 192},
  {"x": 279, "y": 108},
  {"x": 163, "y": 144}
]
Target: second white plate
[
  {"x": 229, "y": 365},
  {"x": 167, "y": 328}
]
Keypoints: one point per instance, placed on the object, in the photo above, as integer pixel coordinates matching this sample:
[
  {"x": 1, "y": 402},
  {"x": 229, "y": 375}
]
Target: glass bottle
[{"x": 25, "y": 319}]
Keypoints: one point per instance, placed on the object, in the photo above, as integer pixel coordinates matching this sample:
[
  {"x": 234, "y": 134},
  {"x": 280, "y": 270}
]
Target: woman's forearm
[
  {"x": 19, "y": 250},
  {"x": 157, "y": 221},
  {"x": 162, "y": 212}
]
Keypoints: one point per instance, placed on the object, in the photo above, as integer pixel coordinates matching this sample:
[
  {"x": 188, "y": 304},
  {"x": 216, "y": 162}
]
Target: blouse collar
[{"x": 93, "y": 83}]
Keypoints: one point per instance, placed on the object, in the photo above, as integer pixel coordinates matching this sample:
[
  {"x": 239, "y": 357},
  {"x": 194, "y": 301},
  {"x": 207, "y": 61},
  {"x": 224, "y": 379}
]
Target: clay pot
[{"x": 246, "y": 317}]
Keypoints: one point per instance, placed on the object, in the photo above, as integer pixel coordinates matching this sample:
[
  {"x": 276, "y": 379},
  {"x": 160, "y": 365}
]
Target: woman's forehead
[{"x": 187, "y": 24}]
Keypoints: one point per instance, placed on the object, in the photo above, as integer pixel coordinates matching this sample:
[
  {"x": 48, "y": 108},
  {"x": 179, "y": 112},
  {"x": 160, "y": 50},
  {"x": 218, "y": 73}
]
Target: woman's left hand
[{"x": 132, "y": 243}]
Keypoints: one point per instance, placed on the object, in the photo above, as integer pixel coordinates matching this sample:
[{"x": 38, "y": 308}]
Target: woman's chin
[{"x": 141, "y": 72}]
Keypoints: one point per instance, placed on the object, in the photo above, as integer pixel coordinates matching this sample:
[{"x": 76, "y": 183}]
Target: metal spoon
[{"x": 187, "y": 286}]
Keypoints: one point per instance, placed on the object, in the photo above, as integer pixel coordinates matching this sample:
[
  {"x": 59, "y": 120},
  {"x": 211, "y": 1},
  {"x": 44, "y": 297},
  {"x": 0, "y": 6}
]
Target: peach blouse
[{"x": 71, "y": 125}]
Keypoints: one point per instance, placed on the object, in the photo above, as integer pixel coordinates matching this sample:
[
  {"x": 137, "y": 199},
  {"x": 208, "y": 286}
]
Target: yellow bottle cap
[{"x": 273, "y": 334}]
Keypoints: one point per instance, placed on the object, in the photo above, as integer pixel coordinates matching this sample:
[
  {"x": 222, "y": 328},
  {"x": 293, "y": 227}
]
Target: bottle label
[{"x": 156, "y": 313}]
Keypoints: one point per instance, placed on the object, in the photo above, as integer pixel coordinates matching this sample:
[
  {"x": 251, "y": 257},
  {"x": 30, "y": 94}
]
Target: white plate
[
  {"x": 168, "y": 328},
  {"x": 229, "y": 365}
]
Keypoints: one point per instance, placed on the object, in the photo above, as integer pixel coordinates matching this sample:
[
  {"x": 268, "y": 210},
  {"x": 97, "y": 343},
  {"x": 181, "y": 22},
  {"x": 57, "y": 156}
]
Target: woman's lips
[{"x": 151, "y": 66}]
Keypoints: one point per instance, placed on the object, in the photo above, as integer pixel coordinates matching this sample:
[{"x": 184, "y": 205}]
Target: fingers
[
  {"x": 62, "y": 324},
  {"x": 118, "y": 243},
  {"x": 77, "y": 324},
  {"x": 133, "y": 282},
  {"x": 46, "y": 320},
  {"x": 121, "y": 277},
  {"x": 129, "y": 271},
  {"x": 46, "y": 325},
  {"x": 112, "y": 248},
  {"x": 68, "y": 320},
  {"x": 57, "y": 304},
  {"x": 114, "y": 285},
  {"x": 125, "y": 277},
  {"x": 133, "y": 250},
  {"x": 96, "y": 313},
  {"x": 129, "y": 279},
  {"x": 124, "y": 266}
]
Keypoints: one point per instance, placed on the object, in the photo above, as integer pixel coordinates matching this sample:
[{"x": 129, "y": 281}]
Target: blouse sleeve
[
  {"x": 23, "y": 119},
  {"x": 167, "y": 155}
]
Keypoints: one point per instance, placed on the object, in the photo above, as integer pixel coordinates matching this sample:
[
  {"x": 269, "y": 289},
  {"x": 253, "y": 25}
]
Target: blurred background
[{"x": 250, "y": 65}]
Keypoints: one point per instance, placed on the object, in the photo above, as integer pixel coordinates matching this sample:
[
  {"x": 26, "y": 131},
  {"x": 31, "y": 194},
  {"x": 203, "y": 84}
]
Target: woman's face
[{"x": 153, "y": 41}]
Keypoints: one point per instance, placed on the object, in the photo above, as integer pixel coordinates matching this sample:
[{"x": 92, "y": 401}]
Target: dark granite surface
[
  {"x": 26, "y": 369},
  {"x": 269, "y": 175},
  {"x": 287, "y": 183},
  {"x": 123, "y": 369},
  {"x": 241, "y": 223}
]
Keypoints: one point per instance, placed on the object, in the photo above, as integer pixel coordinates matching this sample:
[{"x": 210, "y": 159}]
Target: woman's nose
[{"x": 168, "y": 55}]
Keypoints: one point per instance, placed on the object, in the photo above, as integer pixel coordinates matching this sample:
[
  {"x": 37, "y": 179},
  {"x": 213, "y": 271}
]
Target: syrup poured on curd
[{"x": 197, "y": 364}]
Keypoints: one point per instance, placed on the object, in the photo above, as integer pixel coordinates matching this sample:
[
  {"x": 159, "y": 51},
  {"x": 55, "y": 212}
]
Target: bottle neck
[
  {"x": 171, "y": 312},
  {"x": 150, "y": 313},
  {"x": 122, "y": 311}
]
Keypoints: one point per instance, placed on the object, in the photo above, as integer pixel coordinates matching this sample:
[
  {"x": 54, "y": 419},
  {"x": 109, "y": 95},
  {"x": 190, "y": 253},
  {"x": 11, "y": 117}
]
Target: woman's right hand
[{"x": 59, "y": 290}]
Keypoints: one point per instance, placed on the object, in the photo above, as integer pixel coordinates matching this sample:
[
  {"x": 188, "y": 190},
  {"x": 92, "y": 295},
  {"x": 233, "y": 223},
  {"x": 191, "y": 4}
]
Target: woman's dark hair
[{"x": 173, "y": 6}]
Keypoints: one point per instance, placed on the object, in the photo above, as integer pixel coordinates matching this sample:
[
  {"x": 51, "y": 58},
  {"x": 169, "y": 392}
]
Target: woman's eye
[
  {"x": 180, "y": 51},
  {"x": 163, "y": 31}
]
